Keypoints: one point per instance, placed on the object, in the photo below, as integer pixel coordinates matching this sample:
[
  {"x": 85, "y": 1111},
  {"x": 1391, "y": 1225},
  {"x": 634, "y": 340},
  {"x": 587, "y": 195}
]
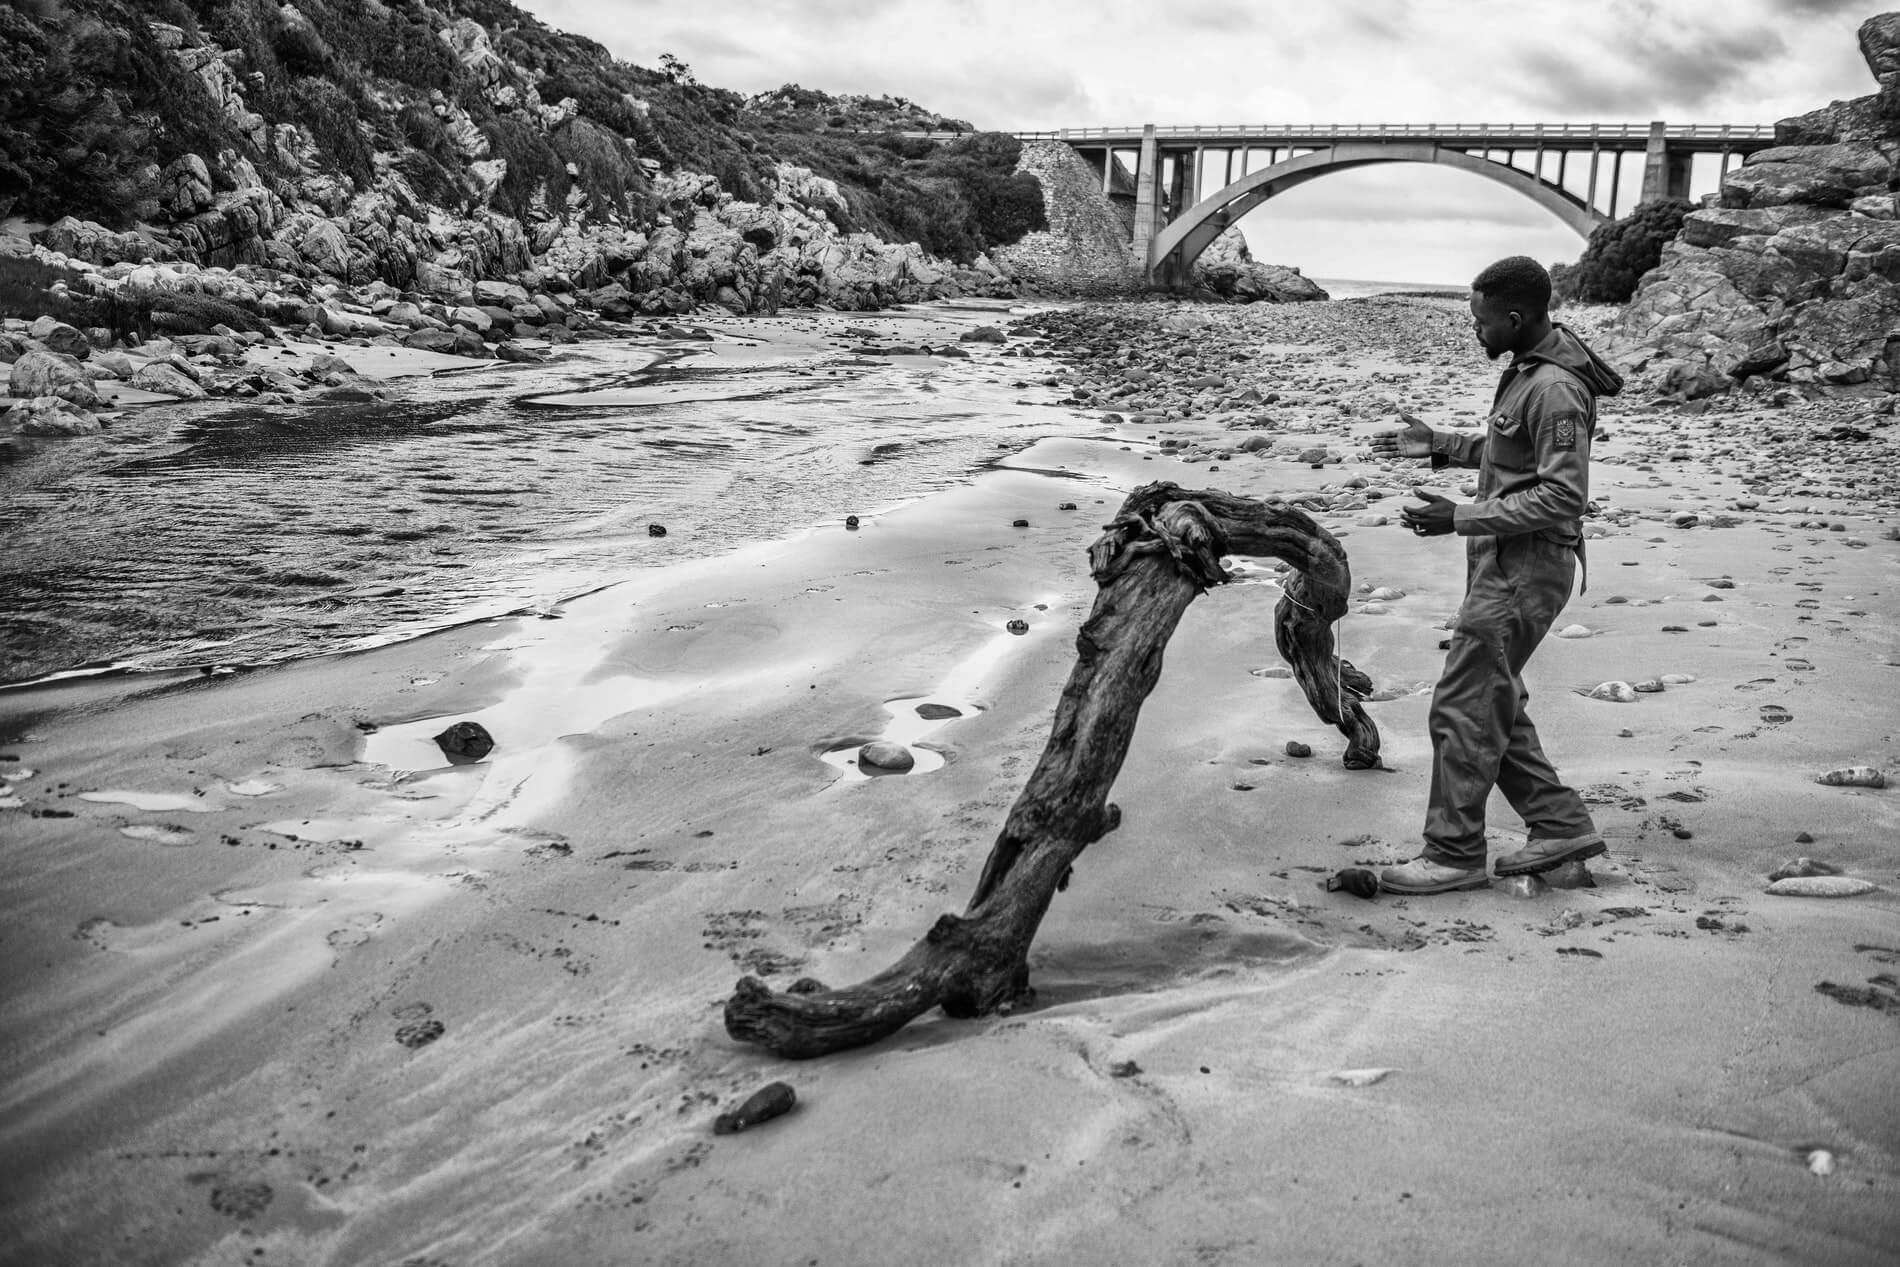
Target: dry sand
[{"x": 272, "y": 998}]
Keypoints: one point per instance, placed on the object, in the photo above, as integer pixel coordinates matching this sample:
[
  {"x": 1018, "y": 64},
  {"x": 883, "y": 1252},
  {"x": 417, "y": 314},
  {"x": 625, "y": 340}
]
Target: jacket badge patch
[{"x": 1566, "y": 434}]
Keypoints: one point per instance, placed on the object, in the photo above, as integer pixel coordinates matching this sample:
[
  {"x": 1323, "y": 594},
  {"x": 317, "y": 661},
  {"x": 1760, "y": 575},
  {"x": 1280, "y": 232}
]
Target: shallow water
[{"x": 237, "y": 533}]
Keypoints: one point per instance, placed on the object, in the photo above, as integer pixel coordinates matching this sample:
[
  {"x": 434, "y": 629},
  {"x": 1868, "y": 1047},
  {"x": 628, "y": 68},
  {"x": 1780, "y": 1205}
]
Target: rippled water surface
[{"x": 246, "y": 533}]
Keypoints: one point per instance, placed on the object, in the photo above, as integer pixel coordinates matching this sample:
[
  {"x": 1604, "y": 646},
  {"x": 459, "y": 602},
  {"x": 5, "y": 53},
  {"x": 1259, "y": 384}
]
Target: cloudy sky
[{"x": 1016, "y": 65}]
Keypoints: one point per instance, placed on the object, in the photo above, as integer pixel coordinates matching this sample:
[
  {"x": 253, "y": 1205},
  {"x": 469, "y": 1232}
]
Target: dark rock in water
[
  {"x": 510, "y": 351},
  {"x": 983, "y": 334},
  {"x": 775, "y": 1099},
  {"x": 465, "y": 742},
  {"x": 938, "y": 712},
  {"x": 884, "y": 755},
  {"x": 51, "y": 416},
  {"x": 1017, "y": 626},
  {"x": 656, "y": 530},
  {"x": 851, "y": 521}
]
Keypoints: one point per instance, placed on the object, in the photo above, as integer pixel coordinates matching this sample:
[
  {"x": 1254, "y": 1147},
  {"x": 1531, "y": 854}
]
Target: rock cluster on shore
[
  {"x": 1794, "y": 273},
  {"x": 1200, "y": 376}
]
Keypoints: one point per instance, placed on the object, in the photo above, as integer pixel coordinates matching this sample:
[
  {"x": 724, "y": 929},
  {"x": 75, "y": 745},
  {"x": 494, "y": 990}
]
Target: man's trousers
[{"x": 1481, "y": 736}]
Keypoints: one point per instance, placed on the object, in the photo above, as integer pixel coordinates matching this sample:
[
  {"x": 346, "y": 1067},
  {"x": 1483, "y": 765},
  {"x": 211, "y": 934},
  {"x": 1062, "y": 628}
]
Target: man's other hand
[
  {"x": 1433, "y": 519},
  {"x": 1413, "y": 441}
]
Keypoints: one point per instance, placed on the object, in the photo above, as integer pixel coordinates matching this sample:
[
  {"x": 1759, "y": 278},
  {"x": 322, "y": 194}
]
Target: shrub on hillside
[{"x": 1620, "y": 252}]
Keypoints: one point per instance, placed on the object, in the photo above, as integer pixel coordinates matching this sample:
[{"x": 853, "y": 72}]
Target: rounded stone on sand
[
  {"x": 1853, "y": 776},
  {"x": 885, "y": 755},
  {"x": 1821, "y": 886}
]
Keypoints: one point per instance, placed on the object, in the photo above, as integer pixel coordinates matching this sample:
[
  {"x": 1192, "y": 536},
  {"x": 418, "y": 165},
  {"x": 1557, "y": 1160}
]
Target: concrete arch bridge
[{"x": 1163, "y": 170}]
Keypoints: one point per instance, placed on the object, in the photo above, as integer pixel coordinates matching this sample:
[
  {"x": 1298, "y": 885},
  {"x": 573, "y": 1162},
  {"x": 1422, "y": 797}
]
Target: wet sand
[{"x": 282, "y": 987}]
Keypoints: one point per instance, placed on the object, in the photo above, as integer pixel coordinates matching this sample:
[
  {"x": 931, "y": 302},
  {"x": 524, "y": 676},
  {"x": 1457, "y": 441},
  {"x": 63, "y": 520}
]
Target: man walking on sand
[{"x": 1525, "y": 541}]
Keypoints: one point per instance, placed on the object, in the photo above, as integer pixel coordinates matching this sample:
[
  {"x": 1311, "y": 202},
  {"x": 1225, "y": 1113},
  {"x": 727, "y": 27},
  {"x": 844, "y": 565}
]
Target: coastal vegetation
[
  {"x": 1620, "y": 252},
  {"x": 99, "y": 96}
]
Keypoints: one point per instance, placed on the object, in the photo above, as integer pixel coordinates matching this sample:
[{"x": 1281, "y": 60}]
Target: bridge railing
[{"x": 1503, "y": 131}]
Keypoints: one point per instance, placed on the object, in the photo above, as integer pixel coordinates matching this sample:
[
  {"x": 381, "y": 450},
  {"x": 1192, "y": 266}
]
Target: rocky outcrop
[
  {"x": 1794, "y": 272},
  {"x": 1085, "y": 250},
  {"x": 1229, "y": 270}
]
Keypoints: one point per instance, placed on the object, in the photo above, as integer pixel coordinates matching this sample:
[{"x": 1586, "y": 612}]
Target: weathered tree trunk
[{"x": 1162, "y": 550}]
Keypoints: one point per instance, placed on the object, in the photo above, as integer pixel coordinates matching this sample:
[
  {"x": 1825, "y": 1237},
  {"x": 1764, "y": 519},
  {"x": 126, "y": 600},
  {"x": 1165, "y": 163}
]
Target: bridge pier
[
  {"x": 1665, "y": 171},
  {"x": 1147, "y": 192}
]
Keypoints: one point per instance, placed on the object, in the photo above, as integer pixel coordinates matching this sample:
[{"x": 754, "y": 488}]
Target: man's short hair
[{"x": 1517, "y": 280}]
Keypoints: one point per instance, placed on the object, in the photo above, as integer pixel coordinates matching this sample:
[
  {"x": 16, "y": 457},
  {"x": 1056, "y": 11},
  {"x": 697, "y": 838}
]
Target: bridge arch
[{"x": 1177, "y": 246}]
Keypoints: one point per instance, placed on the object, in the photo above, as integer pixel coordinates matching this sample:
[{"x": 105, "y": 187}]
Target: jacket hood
[{"x": 1565, "y": 349}]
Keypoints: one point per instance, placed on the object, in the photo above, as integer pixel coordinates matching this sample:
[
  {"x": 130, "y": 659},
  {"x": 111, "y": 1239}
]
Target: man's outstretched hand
[
  {"x": 1413, "y": 441},
  {"x": 1433, "y": 519}
]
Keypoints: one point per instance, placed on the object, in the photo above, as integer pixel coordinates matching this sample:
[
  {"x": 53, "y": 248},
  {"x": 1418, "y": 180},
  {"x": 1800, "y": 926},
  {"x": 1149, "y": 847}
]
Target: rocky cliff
[
  {"x": 1793, "y": 273},
  {"x": 1085, "y": 250},
  {"x": 417, "y": 147}
]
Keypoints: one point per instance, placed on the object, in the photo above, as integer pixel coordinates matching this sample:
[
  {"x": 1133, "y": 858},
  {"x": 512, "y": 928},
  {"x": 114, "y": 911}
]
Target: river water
[{"x": 234, "y": 533}]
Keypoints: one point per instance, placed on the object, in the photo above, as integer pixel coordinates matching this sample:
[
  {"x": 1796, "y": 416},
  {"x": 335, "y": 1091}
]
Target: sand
[{"x": 282, "y": 987}]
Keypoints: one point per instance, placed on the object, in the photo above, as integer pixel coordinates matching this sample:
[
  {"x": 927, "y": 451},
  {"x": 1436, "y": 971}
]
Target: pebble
[
  {"x": 1796, "y": 867},
  {"x": 465, "y": 741},
  {"x": 1294, "y": 748},
  {"x": 1360, "y": 1077},
  {"x": 656, "y": 530},
  {"x": 886, "y": 755},
  {"x": 1524, "y": 886},
  {"x": 1571, "y": 875},
  {"x": 1853, "y": 776},
  {"x": 1575, "y": 631},
  {"x": 1385, "y": 594},
  {"x": 1354, "y": 880},
  {"x": 1648, "y": 686},
  {"x": 1676, "y": 679},
  {"x": 1017, "y": 626},
  {"x": 1821, "y": 886},
  {"x": 775, "y": 1099},
  {"x": 1821, "y": 1162},
  {"x": 1615, "y": 692}
]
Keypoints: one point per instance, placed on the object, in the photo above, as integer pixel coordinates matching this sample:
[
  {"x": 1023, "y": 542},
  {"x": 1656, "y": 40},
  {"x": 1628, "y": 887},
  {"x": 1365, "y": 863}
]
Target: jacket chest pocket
[{"x": 1510, "y": 446}]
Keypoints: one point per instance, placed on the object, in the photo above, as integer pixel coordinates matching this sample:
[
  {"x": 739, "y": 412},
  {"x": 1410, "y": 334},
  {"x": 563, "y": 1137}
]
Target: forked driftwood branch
[{"x": 1161, "y": 552}]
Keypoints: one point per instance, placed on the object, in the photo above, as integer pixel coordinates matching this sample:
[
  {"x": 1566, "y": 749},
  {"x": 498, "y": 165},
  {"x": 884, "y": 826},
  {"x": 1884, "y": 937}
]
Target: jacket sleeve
[
  {"x": 1560, "y": 417},
  {"x": 1451, "y": 449}
]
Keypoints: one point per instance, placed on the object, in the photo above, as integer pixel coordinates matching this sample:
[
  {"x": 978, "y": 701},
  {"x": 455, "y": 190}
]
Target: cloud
[
  {"x": 1646, "y": 72},
  {"x": 1817, "y": 8},
  {"x": 1210, "y": 15},
  {"x": 1390, "y": 24},
  {"x": 701, "y": 42}
]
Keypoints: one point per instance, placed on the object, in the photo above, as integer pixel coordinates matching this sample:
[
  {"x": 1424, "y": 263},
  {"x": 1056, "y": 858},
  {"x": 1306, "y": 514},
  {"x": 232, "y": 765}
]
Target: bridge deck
[{"x": 1703, "y": 137}]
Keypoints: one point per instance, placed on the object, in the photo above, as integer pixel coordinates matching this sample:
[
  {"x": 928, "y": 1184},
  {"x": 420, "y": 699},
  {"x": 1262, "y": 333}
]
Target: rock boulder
[
  {"x": 40, "y": 373},
  {"x": 1795, "y": 273}
]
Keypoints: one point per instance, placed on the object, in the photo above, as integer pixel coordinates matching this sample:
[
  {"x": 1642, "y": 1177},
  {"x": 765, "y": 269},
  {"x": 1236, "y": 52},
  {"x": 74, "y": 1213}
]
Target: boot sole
[
  {"x": 1479, "y": 880},
  {"x": 1592, "y": 849}
]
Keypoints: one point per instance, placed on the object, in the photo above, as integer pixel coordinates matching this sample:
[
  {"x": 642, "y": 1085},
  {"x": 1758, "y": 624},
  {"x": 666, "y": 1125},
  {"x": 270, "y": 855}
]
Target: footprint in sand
[{"x": 355, "y": 932}]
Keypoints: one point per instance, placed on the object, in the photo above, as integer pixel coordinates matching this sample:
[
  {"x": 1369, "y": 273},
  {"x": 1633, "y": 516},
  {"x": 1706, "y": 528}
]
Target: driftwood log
[{"x": 1162, "y": 550}]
